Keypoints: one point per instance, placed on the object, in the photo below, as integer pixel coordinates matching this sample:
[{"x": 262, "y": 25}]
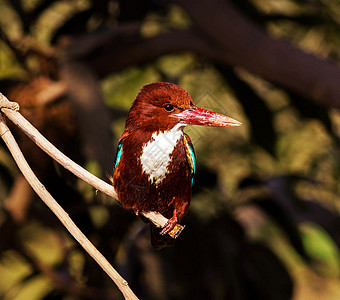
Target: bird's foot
[
  {"x": 136, "y": 211},
  {"x": 169, "y": 225}
]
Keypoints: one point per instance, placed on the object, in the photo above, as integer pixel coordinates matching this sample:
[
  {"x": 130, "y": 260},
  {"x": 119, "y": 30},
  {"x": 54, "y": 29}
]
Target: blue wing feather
[
  {"x": 190, "y": 151},
  {"x": 118, "y": 153}
]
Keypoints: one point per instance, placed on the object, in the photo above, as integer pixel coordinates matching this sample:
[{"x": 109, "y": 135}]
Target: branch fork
[{"x": 5, "y": 103}]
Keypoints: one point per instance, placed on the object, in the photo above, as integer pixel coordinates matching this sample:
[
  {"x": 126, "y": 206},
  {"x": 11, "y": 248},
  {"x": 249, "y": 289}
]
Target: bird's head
[{"x": 160, "y": 106}]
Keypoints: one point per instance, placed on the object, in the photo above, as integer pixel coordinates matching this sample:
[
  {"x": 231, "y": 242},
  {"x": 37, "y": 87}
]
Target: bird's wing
[{"x": 190, "y": 152}]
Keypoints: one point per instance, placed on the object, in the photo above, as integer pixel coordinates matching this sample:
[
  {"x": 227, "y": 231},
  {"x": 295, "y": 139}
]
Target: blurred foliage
[{"x": 264, "y": 220}]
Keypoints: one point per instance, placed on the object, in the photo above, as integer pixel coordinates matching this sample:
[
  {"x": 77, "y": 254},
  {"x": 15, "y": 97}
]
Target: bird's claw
[{"x": 169, "y": 226}]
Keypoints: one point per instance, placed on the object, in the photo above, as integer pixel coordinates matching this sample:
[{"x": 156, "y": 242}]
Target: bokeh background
[{"x": 264, "y": 220}]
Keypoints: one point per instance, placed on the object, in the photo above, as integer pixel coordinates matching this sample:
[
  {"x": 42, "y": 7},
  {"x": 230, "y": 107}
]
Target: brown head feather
[{"x": 147, "y": 112}]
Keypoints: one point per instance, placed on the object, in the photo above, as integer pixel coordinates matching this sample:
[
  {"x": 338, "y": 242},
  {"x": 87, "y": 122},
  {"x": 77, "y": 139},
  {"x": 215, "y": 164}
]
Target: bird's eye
[{"x": 168, "y": 107}]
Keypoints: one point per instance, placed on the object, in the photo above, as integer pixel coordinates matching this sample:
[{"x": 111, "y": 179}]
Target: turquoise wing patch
[
  {"x": 118, "y": 153},
  {"x": 190, "y": 152}
]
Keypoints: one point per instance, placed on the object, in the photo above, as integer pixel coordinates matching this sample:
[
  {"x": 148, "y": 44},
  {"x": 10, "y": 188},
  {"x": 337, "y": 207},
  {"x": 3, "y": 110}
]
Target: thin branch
[
  {"x": 52, "y": 91},
  {"x": 59, "y": 212},
  {"x": 138, "y": 50},
  {"x": 12, "y": 113},
  {"x": 19, "y": 199}
]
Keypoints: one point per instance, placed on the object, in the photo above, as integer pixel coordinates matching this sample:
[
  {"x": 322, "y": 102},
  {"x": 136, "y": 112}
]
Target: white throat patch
[{"x": 156, "y": 153}]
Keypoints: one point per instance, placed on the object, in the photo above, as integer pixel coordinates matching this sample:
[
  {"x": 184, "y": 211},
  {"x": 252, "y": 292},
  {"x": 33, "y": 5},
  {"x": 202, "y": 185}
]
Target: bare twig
[
  {"x": 19, "y": 199},
  {"x": 59, "y": 212},
  {"x": 53, "y": 90}
]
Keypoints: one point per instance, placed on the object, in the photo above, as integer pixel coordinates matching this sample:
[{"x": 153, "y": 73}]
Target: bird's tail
[{"x": 159, "y": 241}]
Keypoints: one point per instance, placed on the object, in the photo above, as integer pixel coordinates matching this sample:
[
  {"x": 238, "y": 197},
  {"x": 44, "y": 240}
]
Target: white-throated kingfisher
[{"x": 155, "y": 161}]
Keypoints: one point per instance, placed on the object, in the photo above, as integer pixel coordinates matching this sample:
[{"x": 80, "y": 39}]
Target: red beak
[{"x": 199, "y": 116}]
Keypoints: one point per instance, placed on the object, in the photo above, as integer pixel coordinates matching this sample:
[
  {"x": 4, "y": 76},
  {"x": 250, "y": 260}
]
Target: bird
[{"x": 155, "y": 160}]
